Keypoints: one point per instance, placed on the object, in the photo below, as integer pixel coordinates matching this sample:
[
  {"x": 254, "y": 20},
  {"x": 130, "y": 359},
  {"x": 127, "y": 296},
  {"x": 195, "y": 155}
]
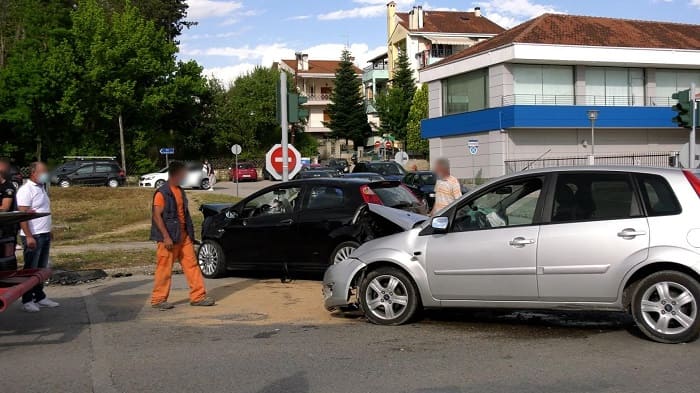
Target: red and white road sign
[
  {"x": 273, "y": 161},
  {"x": 377, "y": 144},
  {"x": 388, "y": 144}
]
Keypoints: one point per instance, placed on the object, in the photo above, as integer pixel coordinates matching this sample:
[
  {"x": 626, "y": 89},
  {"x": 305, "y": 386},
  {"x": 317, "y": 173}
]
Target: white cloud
[
  {"x": 695, "y": 3},
  {"x": 264, "y": 55},
  {"x": 509, "y": 13},
  {"x": 367, "y": 9},
  {"x": 203, "y": 9},
  {"x": 299, "y": 17}
]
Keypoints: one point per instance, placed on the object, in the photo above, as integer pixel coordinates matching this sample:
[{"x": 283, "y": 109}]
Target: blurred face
[
  {"x": 40, "y": 174},
  {"x": 4, "y": 170},
  {"x": 178, "y": 177},
  {"x": 441, "y": 170}
]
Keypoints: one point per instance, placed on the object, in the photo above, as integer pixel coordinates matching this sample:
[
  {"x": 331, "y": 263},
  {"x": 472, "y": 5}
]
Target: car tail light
[
  {"x": 122, "y": 173},
  {"x": 693, "y": 180},
  {"x": 369, "y": 196}
]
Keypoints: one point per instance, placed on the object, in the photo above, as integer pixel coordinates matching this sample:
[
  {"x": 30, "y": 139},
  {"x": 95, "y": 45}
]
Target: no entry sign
[{"x": 273, "y": 161}]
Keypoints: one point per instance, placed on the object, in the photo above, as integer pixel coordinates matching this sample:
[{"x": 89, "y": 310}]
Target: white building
[{"x": 523, "y": 96}]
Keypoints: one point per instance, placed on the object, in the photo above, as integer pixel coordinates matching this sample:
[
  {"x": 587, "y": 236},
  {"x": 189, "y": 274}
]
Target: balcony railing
[
  {"x": 318, "y": 97},
  {"x": 653, "y": 159},
  {"x": 593, "y": 100},
  {"x": 373, "y": 67}
]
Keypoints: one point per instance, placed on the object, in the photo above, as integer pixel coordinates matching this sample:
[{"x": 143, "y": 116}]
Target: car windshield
[
  {"x": 386, "y": 169},
  {"x": 394, "y": 195},
  {"x": 427, "y": 179}
]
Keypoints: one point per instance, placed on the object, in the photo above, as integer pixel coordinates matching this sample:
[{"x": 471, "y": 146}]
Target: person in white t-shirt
[{"x": 36, "y": 233}]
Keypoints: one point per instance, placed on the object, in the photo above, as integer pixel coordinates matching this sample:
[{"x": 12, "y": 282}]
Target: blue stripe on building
[{"x": 544, "y": 116}]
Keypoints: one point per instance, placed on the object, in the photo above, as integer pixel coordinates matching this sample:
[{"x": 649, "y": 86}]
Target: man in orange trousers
[{"x": 173, "y": 231}]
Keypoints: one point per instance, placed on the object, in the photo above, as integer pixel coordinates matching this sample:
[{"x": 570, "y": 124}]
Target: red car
[{"x": 245, "y": 172}]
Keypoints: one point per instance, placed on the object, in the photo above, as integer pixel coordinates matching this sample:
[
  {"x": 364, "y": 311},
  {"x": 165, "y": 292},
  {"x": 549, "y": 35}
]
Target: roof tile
[{"x": 452, "y": 22}]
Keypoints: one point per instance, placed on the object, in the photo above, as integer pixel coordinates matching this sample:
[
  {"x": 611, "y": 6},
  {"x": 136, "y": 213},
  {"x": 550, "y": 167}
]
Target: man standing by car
[
  {"x": 210, "y": 174},
  {"x": 173, "y": 230},
  {"x": 36, "y": 233},
  {"x": 447, "y": 189}
]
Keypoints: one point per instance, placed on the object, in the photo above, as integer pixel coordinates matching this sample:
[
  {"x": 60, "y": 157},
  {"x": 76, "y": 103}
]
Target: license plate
[{"x": 246, "y": 175}]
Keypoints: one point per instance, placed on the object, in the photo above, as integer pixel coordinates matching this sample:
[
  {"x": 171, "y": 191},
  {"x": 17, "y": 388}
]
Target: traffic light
[
  {"x": 683, "y": 108},
  {"x": 296, "y": 113}
]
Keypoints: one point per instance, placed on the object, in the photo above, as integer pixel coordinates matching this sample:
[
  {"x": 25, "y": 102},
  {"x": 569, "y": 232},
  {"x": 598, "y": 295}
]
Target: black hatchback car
[
  {"x": 298, "y": 226},
  {"x": 91, "y": 174}
]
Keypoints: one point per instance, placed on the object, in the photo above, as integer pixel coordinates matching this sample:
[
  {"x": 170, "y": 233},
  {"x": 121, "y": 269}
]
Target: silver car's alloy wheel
[
  {"x": 208, "y": 259},
  {"x": 343, "y": 253},
  {"x": 669, "y": 308},
  {"x": 159, "y": 183},
  {"x": 386, "y": 297}
]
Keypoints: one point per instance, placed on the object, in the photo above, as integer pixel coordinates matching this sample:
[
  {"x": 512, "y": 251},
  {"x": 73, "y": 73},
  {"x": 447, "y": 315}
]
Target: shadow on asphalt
[
  {"x": 520, "y": 323},
  {"x": 295, "y": 383},
  {"x": 65, "y": 323},
  {"x": 222, "y": 292}
]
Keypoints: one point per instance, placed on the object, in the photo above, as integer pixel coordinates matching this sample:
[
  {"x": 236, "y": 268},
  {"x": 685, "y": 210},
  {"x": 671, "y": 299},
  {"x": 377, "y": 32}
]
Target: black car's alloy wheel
[
  {"x": 343, "y": 251},
  {"x": 64, "y": 183},
  {"x": 211, "y": 260},
  {"x": 665, "y": 307},
  {"x": 113, "y": 183},
  {"x": 388, "y": 297}
]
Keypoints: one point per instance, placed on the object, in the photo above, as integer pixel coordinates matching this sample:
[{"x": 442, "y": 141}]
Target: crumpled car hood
[{"x": 404, "y": 219}]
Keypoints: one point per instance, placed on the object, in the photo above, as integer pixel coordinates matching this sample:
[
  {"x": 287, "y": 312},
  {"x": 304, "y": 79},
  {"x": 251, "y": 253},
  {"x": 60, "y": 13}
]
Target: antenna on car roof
[{"x": 536, "y": 159}]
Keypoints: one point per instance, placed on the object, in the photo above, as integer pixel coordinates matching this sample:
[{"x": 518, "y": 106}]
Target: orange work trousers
[{"x": 184, "y": 252}]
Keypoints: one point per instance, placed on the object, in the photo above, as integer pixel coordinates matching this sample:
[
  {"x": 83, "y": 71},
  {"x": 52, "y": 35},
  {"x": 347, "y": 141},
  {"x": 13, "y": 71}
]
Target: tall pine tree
[
  {"x": 394, "y": 105},
  {"x": 348, "y": 118}
]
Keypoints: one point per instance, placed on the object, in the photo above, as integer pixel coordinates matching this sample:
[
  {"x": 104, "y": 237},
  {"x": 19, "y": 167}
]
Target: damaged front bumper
[{"x": 338, "y": 282}]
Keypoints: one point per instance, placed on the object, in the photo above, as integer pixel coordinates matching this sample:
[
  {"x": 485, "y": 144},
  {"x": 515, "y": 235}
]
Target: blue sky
[{"x": 233, "y": 36}]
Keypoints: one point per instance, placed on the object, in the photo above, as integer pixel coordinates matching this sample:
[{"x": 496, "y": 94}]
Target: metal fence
[
  {"x": 594, "y": 100},
  {"x": 654, "y": 159}
]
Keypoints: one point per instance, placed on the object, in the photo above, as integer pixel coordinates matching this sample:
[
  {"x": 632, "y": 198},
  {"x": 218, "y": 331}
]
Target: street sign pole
[
  {"x": 691, "y": 147},
  {"x": 284, "y": 121},
  {"x": 236, "y": 172},
  {"x": 236, "y": 150},
  {"x": 167, "y": 160}
]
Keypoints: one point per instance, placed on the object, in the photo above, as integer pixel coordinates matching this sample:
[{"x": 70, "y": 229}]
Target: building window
[
  {"x": 440, "y": 50},
  {"x": 672, "y": 81},
  {"x": 465, "y": 92},
  {"x": 614, "y": 86},
  {"x": 542, "y": 85},
  {"x": 326, "y": 116}
]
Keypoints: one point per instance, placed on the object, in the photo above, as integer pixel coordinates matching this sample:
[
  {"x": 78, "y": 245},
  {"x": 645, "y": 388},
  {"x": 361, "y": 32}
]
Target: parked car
[
  {"x": 299, "y": 226},
  {"x": 92, "y": 174},
  {"x": 422, "y": 184},
  {"x": 312, "y": 174},
  {"x": 598, "y": 238},
  {"x": 340, "y": 164},
  {"x": 364, "y": 175},
  {"x": 74, "y": 163},
  {"x": 246, "y": 172},
  {"x": 195, "y": 177},
  {"x": 388, "y": 169}
]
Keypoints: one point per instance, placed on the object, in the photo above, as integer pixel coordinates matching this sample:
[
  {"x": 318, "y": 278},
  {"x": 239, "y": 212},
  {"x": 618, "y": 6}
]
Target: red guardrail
[{"x": 13, "y": 284}]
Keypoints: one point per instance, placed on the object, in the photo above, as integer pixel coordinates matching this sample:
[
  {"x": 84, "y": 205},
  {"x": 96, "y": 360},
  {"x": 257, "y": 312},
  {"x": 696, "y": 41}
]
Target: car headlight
[
  {"x": 148, "y": 177},
  {"x": 431, "y": 195}
]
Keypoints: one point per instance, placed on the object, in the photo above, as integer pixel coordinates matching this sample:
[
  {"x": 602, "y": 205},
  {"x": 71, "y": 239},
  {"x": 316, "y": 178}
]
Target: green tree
[
  {"x": 394, "y": 105},
  {"x": 348, "y": 118},
  {"x": 418, "y": 112},
  {"x": 168, "y": 15}
]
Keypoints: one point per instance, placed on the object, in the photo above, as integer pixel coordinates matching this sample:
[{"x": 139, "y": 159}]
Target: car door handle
[
  {"x": 288, "y": 221},
  {"x": 521, "y": 242},
  {"x": 630, "y": 233}
]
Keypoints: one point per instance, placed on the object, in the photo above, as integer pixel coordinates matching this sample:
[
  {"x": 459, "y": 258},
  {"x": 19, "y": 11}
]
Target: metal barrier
[{"x": 654, "y": 159}]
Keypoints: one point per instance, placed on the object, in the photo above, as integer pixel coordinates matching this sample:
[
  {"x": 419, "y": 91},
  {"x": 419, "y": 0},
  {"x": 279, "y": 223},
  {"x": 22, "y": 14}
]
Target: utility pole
[
  {"x": 284, "y": 121},
  {"x": 121, "y": 141},
  {"x": 694, "y": 107}
]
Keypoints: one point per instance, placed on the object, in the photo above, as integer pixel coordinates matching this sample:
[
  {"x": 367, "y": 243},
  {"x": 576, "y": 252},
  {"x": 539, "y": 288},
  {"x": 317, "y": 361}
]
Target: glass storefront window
[
  {"x": 672, "y": 81},
  {"x": 543, "y": 85},
  {"x": 614, "y": 86},
  {"x": 464, "y": 92}
]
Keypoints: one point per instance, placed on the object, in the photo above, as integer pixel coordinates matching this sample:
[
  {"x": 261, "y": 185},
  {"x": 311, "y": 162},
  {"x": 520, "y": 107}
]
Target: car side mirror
[{"x": 439, "y": 224}]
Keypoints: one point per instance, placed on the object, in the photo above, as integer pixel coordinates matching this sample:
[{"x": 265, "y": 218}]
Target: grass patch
[
  {"x": 103, "y": 260},
  {"x": 99, "y": 215}
]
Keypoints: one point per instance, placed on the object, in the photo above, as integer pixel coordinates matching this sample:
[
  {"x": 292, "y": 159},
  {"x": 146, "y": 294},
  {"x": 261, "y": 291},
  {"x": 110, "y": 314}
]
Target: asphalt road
[{"x": 265, "y": 336}]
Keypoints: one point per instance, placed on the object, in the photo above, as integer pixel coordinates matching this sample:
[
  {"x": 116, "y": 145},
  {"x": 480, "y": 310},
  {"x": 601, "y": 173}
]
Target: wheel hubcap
[
  {"x": 386, "y": 297},
  {"x": 343, "y": 254},
  {"x": 208, "y": 259},
  {"x": 669, "y": 308}
]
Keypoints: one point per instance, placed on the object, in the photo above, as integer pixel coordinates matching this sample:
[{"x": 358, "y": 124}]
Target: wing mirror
[{"x": 440, "y": 224}]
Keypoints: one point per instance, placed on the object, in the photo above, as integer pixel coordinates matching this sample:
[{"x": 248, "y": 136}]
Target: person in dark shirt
[{"x": 7, "y": 204}]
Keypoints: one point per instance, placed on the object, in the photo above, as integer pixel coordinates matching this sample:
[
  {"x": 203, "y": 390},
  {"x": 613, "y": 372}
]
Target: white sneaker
[
  {"x": 46, "y": 302},
  {"x": 30, "y": 307}
]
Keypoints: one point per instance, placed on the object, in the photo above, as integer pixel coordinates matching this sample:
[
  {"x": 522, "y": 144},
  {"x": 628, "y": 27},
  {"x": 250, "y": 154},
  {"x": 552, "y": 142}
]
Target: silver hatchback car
[{"x": 595, "y": 238}]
